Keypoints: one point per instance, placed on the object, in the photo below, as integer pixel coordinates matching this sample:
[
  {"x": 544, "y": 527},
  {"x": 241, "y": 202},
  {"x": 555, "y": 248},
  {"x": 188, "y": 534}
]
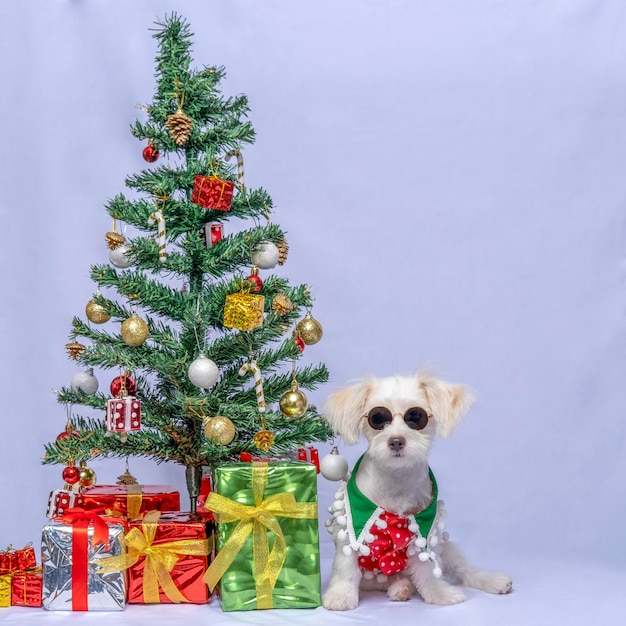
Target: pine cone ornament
[
  {"x": 74, "y": 349},
  {"x": 283, "y": 249},
  {"x": 264, "y": 440},
  {"x": 282, "y": 304},
  {"x": 127, "y": 479},
  {"x": 179, "y": 127}
]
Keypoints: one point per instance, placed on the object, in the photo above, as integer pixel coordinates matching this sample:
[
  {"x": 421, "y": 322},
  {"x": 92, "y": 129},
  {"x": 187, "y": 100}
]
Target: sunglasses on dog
[{"x": 415, "y": 417}]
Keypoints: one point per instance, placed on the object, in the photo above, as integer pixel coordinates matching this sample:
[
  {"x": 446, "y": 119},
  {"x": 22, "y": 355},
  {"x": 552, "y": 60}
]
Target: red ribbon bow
[
  {"x": 388, "y": 550},
  {"x": 81, "y": 520}
]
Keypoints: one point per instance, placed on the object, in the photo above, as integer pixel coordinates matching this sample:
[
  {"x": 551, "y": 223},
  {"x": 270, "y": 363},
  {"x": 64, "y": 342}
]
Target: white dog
[{"x": 387, "y": 522}]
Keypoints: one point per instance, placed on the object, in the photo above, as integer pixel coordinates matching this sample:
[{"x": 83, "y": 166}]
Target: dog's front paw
[
  {"x": 437, "y": 591},
  {"x": 498, "y": 583},
  {"x": 400, "y": 590},
  {"x": 341, "y": 598}
]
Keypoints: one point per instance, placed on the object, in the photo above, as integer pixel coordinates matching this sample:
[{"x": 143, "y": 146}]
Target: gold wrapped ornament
[{"x": 244, "y": 311}]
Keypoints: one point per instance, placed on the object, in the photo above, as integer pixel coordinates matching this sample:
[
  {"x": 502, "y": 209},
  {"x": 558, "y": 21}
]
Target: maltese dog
[{"x": 387, "y": 524}]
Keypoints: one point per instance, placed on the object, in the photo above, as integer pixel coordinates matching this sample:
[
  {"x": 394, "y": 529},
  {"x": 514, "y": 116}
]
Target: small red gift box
[
  {"x": 12, "y": 561},
  {"x": 62, "y": 499},
  {"x": 205, "y": 490},
  {"x": 179, "y": 539},
  {"x": 26, "y": 588},
  {"x": 131, "y": 500},
  {"x": 211, "y": 192},
  {"x": 310, "y": 454},
  {"x": 123, "y": 414}
]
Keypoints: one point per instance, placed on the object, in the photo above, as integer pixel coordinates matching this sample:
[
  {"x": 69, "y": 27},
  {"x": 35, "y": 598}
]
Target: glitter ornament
[
  {"x": 95, "y": 312},
  {"x": 265, "y": 255},
  {"x": 309, "y": 330},
  {"x": 282, "y": 304},
  {"x": 219, "y": 429},
  {"x": 334, "y": 466},
  {"x": 203, "y": 372},
  {"x": 85, "y": 382},
  {"x": 293, "y": 403},
  {"x": 134, "y": 331},
  {"x": 120, "y": 256}
]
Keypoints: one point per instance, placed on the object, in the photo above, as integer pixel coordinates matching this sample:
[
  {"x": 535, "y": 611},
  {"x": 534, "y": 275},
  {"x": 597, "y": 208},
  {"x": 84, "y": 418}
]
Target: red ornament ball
[
  {"x": 71, "y": 474},
  {"x": 127, "y": 381},
  {"x": 65, "y": 435},
  {"x": 246, "y": 457},
  {"x": 150, "y": 153},
  {"x": 256, "y": 283},
  {"x": 300, "y": 343}
]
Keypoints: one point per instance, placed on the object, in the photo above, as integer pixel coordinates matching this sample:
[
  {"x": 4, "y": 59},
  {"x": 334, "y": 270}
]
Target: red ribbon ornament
[{"x": 80, "y": 521}]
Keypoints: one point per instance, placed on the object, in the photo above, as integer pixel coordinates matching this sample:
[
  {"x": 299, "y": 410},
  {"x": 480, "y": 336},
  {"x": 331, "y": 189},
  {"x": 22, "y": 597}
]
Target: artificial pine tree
[{"x": 180, "y": 306}]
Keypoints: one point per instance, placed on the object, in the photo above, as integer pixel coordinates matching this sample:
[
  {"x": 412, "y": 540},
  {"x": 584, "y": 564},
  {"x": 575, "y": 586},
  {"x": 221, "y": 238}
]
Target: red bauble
[
  {"x": 71, "y": 475},
  {"x": 65, "y": 435},
  {"x": 127, "y": 381},
  {"x": 300, "y": 343},
  {"x": 150, "y": 153},
  {"x": 256, "y": 283},
  {"x": 246, "y": 457}
]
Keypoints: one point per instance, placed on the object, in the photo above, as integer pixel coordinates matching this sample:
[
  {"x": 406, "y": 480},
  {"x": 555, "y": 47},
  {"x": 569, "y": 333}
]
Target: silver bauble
[
  {"x": 265, "y": 255},
  {"x": 203, "y": 372},
  {"x": 334, "y": 466},
  {"x": 120, "y": 257},
  {"x": 85, "y": 381}
]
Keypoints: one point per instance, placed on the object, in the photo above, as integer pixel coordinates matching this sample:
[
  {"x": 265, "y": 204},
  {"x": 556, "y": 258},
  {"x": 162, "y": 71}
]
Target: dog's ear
[
  {"x": 343, "y": 410},
  {"x": 448, "y": 402}
]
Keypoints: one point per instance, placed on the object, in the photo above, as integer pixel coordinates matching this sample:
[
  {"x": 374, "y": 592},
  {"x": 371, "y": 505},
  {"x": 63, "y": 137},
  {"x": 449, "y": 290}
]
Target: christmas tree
[{"x": 194, "y": 334}]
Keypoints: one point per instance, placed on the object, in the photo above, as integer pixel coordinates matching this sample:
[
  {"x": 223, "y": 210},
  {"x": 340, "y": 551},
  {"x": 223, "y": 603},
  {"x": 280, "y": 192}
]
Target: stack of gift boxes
[{"x": 254, "y": 538}]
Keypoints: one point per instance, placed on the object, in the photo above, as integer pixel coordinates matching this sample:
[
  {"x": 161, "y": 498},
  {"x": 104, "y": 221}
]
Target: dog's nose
[{"x": 397, "y": 443}]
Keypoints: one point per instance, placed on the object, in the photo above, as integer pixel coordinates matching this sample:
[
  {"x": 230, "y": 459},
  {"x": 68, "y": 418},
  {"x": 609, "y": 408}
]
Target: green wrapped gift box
[{"x": 267, "y": 536}]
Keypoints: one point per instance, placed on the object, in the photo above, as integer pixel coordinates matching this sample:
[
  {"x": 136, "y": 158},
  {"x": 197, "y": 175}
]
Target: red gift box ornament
[
  {"x": 310, "y": 454},
  {"x": 123, "y": 415},
  {"x": 212, "y": 192},
  {"x": 62, "y": 499}
]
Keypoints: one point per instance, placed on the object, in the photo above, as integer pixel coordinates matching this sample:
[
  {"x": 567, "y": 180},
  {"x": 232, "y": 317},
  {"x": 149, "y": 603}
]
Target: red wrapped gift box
[
  {"x": 211, "y": 192},
  {"x": 26, "y": 588},
  {"x": 205, "y": 490},
  {"x": 131, "y": 500},
  {"x": 154, "y": 539},
  {"x": 310, "y": 454}
]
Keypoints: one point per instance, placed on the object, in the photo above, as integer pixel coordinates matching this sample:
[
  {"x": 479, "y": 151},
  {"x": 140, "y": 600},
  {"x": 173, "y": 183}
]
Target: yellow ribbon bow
[
  {"x": 160, "y": 559},
  {"x": 257, "y": 519}
]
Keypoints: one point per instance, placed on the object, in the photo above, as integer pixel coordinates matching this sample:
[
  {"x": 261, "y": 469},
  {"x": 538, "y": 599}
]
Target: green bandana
[{"x": 362, "y": 513}]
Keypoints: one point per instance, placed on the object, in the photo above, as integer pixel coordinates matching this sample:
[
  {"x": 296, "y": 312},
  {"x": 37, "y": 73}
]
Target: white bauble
[
  {"x": 85, "y": 381},
  {"x": 265, "y": 255},
  {"x": 120, "y": 256},
  {"x": 203, "y": 372},
  {"x": 334, "y": 466}
]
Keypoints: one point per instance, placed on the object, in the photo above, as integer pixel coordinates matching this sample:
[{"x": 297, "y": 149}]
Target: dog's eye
[
  {"x": 416, "y": 418},
  {"x": 379, "y": 417}
]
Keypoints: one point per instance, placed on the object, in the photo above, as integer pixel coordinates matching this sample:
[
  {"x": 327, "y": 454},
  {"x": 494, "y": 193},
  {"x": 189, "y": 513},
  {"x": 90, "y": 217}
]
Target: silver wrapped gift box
[{"x": 104, "y": 592}]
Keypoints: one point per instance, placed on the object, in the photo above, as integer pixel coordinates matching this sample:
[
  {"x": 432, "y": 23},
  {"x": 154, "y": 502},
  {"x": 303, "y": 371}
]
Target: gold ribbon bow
[
  {"x": 257, "y": 519},
  {"x": 160, "y": 559}
]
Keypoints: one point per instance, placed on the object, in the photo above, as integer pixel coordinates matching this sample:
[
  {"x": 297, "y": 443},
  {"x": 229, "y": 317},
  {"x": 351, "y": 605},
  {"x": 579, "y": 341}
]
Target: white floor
[{"x": 545, "y": 594}]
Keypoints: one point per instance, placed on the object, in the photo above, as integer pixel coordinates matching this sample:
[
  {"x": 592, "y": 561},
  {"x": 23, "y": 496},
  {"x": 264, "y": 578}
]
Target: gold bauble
[
  {"x": 309, "y": 329},
  {"x": 87, "y": 475},
  {"x": 96, "y": 313},
  {"x": 293, "y": 403},
  {"x": 134, "y": 331},
  {"x": 219, "y": 429}
]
